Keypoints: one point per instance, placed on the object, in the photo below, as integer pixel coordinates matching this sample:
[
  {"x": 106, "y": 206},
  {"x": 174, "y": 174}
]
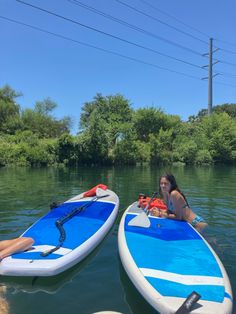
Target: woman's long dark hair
[{"x": 173, "y": 185}]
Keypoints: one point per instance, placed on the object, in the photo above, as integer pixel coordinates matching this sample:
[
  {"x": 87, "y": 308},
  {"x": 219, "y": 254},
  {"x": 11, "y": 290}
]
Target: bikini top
[{"x": 171, "y": 207}]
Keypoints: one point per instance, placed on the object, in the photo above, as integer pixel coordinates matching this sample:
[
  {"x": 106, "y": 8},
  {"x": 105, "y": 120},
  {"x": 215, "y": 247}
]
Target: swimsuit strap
[{"x": 170, "y": 207}]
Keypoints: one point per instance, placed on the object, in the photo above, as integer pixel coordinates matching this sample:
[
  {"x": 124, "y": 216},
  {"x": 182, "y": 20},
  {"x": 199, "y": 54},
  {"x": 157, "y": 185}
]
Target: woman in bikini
[{"x": 177, "y": 204}]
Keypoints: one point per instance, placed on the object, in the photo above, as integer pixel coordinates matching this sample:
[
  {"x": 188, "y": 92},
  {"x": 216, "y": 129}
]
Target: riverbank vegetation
[{"x": 112, "y": 132}]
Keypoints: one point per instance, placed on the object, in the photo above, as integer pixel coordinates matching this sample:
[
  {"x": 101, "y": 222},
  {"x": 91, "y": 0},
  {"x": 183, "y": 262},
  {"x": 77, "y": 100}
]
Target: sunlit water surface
[{"x": 99, "y": 283}]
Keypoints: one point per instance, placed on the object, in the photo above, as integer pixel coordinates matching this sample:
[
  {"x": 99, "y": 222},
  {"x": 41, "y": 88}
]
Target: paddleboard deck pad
[
  {"x": 83, "y": 232},
  {"x": 168, "y": 261}
]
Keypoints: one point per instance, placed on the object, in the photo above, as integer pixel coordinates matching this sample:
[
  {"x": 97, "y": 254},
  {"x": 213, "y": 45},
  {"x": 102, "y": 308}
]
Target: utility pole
[
  {"x": 210, "y": 76},
  {"x": 210, "y": 79}
]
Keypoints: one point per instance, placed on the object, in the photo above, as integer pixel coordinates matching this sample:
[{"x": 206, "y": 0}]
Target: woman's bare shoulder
[
  {"x": 176, "y": 196},
  {"x": 175, "y": 193}
]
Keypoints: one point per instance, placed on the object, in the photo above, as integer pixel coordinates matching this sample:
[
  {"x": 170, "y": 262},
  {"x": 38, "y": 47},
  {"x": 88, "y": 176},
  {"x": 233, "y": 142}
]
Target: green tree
[
  {"x": 93, "y": 143},
  {"x": 115, "y": 112},
  {"x": 67, "y": 149},
  {"x": 45, "y": 107},
  {"x": 9, "y": 110},
  {"x": 221, "y": 130},
  {"x": 215, "y": 134},
  {"x": 40, "y": 120},
  {"x": 126, "y": 150},
  {"x": 230, "y": 109},
  {"x": 184, "y": 150},
  {"x": 161, "y": 147},
  {"x": 143, "y": 152},
  {"x": 148, "y": 121},
  {"x": 203, "y": 156}
]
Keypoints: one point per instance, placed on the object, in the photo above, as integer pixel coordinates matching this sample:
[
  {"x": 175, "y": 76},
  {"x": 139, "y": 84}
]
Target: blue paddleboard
[
  {"x": 83, "y": 232},
  {"x": 169, "y": 260}
]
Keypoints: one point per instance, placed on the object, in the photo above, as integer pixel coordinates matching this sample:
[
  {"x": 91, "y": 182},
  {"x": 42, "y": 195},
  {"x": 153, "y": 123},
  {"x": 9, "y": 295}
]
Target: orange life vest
[{"x": 157, "y": 202}]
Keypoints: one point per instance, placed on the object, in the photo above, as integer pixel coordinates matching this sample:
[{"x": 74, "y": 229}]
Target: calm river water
[{"x": 99, "y": 283}]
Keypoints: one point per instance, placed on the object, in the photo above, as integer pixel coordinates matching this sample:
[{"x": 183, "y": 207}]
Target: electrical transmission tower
[{"x": 210, "y": 75}]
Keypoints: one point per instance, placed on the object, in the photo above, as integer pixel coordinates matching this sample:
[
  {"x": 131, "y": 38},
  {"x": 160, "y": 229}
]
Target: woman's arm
[
  {"x": 178, "y": 203},
  {"x": 162, "y": 213},
  {"x": 166, "y": 214}
]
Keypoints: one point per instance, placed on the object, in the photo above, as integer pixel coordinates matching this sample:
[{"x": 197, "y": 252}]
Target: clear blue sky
[{"x": 41, "y": 65}]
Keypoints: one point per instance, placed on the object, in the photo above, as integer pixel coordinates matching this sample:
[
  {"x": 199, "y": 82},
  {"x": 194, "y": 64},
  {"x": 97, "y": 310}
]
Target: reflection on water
[
  {"x": 99, "y": 283},
  {"x": 136, "y": 302},
  {"x": 49, "y": 285}
]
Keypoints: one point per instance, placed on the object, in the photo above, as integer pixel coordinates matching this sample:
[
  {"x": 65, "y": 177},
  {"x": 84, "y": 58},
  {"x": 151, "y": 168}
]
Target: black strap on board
[
  {"x": 59, "y": 224},
  {"x": 186, "y": 307}
]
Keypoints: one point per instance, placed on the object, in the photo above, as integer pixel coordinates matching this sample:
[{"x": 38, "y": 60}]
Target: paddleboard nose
[{"x": 107, "y": 312}]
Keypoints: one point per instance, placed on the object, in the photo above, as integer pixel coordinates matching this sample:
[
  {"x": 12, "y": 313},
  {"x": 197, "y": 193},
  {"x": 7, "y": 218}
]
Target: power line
[
  {"x": 134, "y": 27},
  {"x": 222, "y": 61},
  {"x": 227, "y": 74},
  {"x": 210, "y": 75},
  {"x": 226, "y": 84},
  {"x": 177, "y": 29},
  {"x": 122, "y": 22},
  {"x": 160, "y": 21},
  {"x": 105, "y": 50},
  {"x": 97, "y": 48},
  {"x": 119, "y": 38},
  {"x": 228, "y": 63},
  {"x": 174, "y": 18},
  {"x": 228, "y": 51},
  {"x": 225, "y": 42},
  {"x": 109, "y": 35},
  {"x": 191, "y": 27}
]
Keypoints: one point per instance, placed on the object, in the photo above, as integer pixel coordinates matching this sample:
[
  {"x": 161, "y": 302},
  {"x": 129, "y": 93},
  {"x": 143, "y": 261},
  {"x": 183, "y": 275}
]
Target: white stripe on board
[
  {"x": 149, "y": 215},
  {"x": 43, "y": 248},
  {"x": 183, "y": 279}
]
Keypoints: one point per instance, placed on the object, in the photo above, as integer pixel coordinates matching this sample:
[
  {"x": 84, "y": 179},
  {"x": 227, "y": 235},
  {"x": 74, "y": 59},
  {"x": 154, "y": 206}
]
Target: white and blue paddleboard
[
  {"x": 83, "y": 232},
  {"x": 169, "y": 260}
]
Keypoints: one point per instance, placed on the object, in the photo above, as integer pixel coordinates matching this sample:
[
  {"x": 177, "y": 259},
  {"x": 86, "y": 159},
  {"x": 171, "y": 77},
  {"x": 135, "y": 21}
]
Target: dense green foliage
[{"x": 111, "y": 132}]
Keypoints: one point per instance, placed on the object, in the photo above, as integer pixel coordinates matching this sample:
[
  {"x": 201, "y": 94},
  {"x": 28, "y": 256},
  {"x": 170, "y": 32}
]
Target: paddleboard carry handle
[
  {"x": 142, "y": 219},
  {"x": 186, "y": 307}
]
